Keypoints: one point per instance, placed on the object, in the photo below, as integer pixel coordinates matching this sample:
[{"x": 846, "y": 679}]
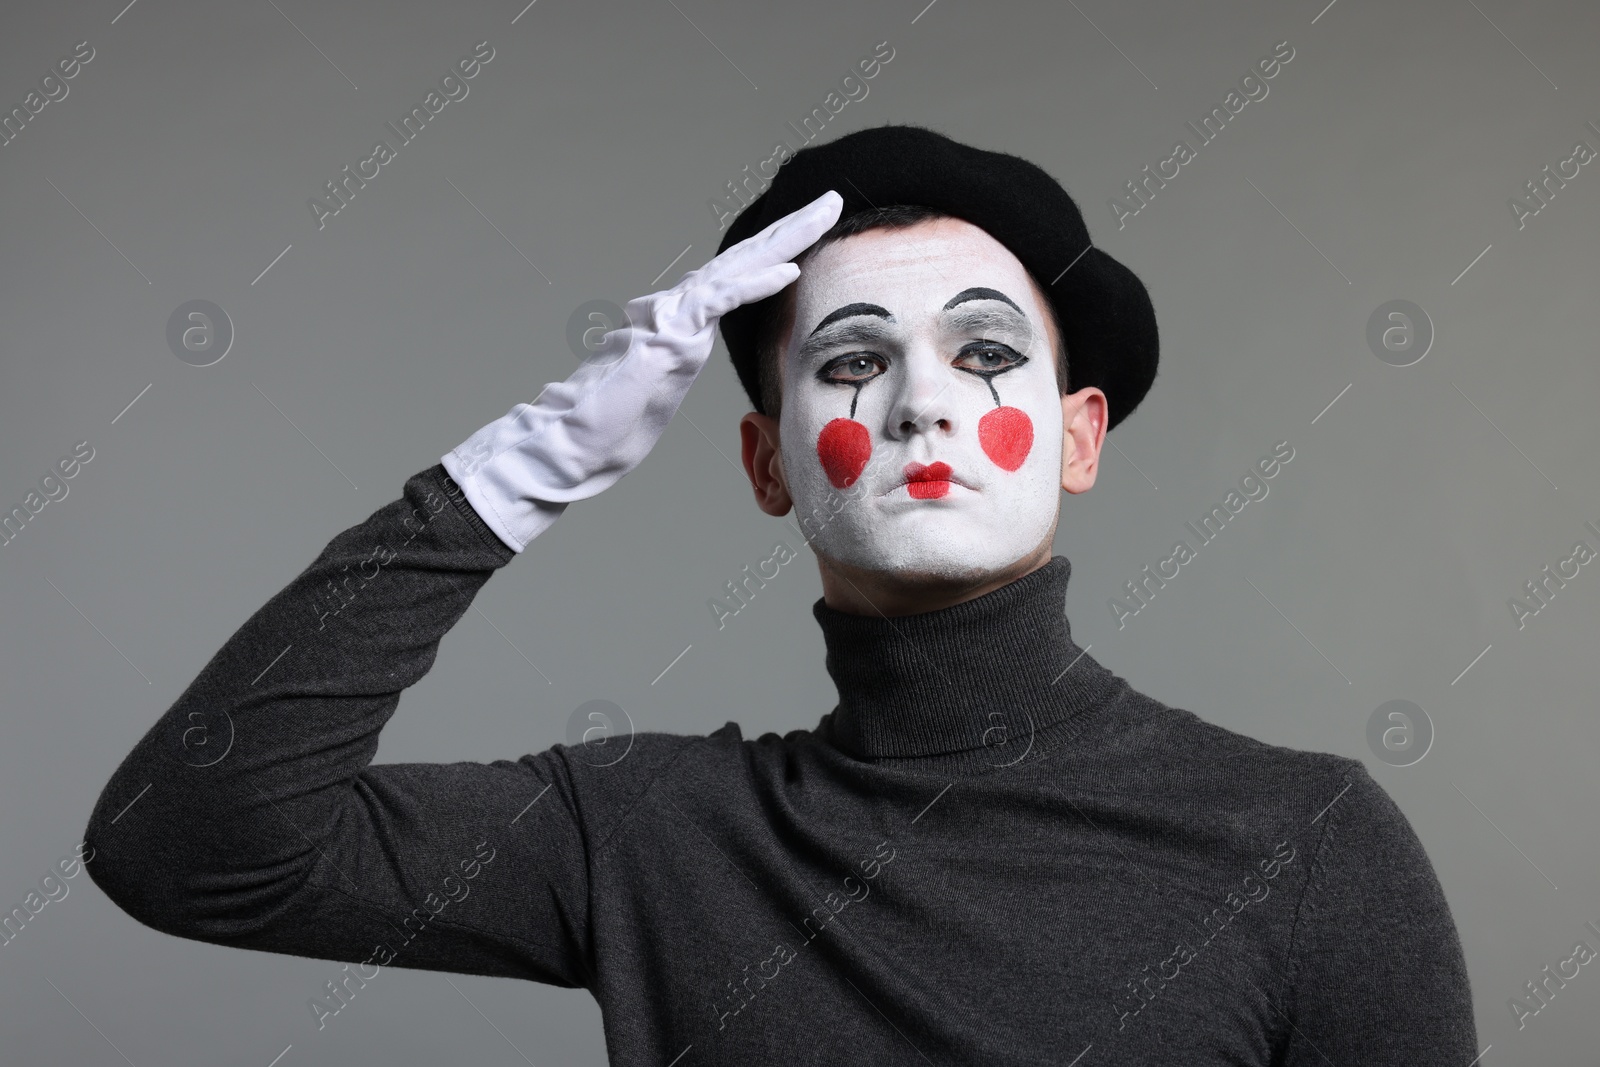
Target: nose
[{"x": 925, "y": 394}]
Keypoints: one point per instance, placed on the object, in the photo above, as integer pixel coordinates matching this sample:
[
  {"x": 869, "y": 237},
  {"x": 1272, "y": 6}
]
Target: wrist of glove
[
  {"x": 581, "y": 435},
  {"x": 520, "y": 471}
]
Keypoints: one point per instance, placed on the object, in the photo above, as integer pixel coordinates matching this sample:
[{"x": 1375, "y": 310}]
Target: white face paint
[{"x": 911, "y": 366}]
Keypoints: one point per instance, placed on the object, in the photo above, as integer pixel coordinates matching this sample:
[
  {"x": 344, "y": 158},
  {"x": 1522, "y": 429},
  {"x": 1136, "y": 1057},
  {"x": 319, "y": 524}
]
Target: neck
[
  {"x": 978, "y": 685},
  {"x": 855, "y": 591}
]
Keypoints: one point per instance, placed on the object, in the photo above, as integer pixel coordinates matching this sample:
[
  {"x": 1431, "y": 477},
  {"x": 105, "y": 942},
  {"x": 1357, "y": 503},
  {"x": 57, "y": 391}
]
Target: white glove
[{"x": 581, "y": 435}]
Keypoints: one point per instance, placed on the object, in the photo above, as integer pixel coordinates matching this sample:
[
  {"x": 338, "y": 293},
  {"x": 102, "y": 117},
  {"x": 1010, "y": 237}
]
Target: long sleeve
[
  {"x": 249, "y": 814},
  {"x": 1377, "y": 973}
]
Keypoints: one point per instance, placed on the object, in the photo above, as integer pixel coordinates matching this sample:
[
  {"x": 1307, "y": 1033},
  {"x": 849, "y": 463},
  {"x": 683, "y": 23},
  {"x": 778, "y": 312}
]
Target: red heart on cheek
[
  {"x": 844, "y": 446},
  {"x": 1006, "y": 435}
]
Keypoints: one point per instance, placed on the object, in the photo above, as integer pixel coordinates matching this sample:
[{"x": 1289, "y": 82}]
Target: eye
[
  {"x": 989, "y": 358},
  {"x": 852, "y": 369}
]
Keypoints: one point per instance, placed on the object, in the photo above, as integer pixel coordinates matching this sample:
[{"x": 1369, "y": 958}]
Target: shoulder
[
  {"x": 1173, "y": 751},
  {"x": 1353, "y": 842},
  {"x": 613, "y": 755},
  {"x": 601, "y": 777},
  {"x": 1174, "y": 739}
]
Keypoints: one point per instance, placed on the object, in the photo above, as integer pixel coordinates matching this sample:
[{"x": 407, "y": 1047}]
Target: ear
[
  {"x": 763, "y": 463},
  {"x": 1083, "y": 423}
]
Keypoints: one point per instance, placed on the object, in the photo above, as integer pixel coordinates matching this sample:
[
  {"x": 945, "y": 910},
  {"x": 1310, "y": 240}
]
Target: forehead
[{"x": 909, "y": 270}]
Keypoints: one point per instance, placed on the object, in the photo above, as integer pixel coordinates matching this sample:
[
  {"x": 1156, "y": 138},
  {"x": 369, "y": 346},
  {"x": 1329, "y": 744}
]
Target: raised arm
[{"x": 250, "y": 813}]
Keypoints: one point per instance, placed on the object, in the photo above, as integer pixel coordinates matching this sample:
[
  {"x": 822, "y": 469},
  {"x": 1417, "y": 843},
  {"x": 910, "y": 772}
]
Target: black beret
[{"x": 1105, "y": 314}]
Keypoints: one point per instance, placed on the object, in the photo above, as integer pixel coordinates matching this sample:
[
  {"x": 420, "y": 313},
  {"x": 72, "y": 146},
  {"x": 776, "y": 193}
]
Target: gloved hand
[{"x": 581, "y": 435}]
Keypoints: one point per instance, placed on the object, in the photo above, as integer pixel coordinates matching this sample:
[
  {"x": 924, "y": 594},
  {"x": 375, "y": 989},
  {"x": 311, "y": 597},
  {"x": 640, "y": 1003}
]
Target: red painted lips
[{"x": 927, "y": 482}]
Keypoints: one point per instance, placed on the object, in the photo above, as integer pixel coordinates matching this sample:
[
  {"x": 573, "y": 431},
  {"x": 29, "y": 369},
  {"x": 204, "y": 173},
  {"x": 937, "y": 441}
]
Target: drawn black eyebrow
[
  {"x": 990, "y": 320},
  {"x": 851, "y": 310},
  {"x": 980, "y": 293},
  {"x": 987, "y": 320},
  {"x": 830, "y": 334},
  {"x": 833, "y": 335}
]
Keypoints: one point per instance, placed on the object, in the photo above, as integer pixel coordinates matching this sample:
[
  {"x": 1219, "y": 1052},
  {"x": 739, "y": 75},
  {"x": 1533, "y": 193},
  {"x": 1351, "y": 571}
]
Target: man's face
[{"x": 920, "y": 392}]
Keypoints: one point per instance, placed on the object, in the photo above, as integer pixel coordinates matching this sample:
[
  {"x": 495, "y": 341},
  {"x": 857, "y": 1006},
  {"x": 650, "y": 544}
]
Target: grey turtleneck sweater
[{"x": 992, "y": 851}]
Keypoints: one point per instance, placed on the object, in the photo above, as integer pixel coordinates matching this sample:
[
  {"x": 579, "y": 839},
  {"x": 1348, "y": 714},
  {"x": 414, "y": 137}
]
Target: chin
[{"x": 928, "y": 552}]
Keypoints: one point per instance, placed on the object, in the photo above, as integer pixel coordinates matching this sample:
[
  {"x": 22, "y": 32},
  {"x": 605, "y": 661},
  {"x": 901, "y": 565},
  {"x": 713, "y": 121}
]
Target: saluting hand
[{"x": 583, "y": 434}]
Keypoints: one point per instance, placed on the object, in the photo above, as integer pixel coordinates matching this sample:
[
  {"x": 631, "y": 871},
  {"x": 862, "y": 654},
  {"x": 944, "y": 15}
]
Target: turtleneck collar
[{"x": 971, "y": 678}]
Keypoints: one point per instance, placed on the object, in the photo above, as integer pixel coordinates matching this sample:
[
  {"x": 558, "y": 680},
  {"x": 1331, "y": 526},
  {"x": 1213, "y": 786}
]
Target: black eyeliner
[{"x": 989, "y": 376}]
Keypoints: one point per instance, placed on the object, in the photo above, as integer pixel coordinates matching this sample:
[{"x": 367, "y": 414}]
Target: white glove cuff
[{"x": 496, "y": 488}]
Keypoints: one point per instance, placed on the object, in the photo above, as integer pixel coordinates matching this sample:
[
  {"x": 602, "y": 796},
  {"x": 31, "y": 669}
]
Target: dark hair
[{"x": 775, "y": 314}]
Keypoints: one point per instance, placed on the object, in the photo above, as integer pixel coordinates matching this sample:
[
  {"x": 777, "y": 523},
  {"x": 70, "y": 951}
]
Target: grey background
[{"x": 1377, "y": 168}]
